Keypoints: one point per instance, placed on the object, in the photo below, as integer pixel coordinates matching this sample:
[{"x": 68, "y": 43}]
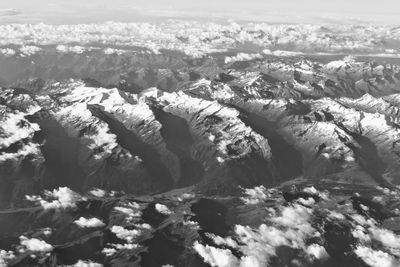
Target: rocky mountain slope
[{"x": 264, "y": 124}]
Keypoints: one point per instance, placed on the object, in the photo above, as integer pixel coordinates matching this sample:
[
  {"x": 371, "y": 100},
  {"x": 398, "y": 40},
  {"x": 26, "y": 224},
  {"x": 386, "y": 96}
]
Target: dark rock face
[
  {"x": 176, "y": 133},
  {"x": 60, "y": 151}
]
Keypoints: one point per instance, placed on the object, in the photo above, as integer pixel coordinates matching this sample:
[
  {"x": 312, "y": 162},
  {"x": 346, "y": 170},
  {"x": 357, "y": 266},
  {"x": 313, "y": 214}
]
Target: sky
[{"x": 274, "y": 11}]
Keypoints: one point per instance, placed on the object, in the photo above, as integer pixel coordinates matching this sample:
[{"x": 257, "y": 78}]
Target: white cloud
[
  {"x": 386, "y": 237},
  {"x": 131, "y": 210},
  {"x": 376, "y": 258},
  {"x": 82, "y": 263},
  {"x": 89, "y": 223},
  {"x": 282, "y": 53},
  {"x": 163, "y": 209},
  {"x": 216, "y": 256},
  {"x": 29, "y": 50},
  {"x": 359, "y": 232},
  {"x": 35, "y": 245},
  {"x": 291, "y": 228},
  {"x": 28, "y": 149},
  {"x": 60, "y": 198},
  {"x": 5, "y": 257},
  {"x": 117, "y": 247},
  {"x": 228, "y": 241},
  {"x": 335, "y": 215},
  {"x": 182, "y": 196},
  {"x": 192, "y": 224},
  {"x": 7, "y": 52},
  {"x": 197, "y": 39},
  {"x": 242, "y": 57},
  {"x": 110, "y": 51},
  {"x": 308, "y": 202},
  {"x": 367, "y": 230},
  {"x": 71, "y": 49},
  {"x": 311, "y": 190},
  {"x": 47, "y": 231},
  {"x": 97, "y": 192},
  {"x": 128, "y": 235},
  {"x": 109, "y": 251},
  {"x": 317, "y": 251},
  {"x": 255, "y": 195},
  {"x": 295, "y": 217}
]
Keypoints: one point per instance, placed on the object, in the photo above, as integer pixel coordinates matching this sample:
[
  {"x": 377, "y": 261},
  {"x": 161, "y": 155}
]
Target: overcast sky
[{"x": 308, "y": 11}]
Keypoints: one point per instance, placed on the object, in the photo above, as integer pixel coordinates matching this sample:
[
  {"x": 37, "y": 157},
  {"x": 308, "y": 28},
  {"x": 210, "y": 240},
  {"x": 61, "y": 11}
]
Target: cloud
[
  {"x": 317, "y": 251},
  {"x": 35, "y": 245},
  {"x": 71, "y": 49},
  {"x": 8, "y": 52},
  {"x": 255, "y": 195},
  {"x": 5, "y": 257},
  {"x": 367, "y": 230},
  {"x": 131, "y": 210},
  {"x": 25, "y": 150},
  {"x": 29, "y": 50},
  {"x": 376, "y": 258},
  {"x": 114, "y": 248},
  {"x": 130, "y": 235},
  {"x": 291, "y": 227},
  {"x": 163, "y": 209},
  {"x": 216, "y": 256},
  {"x": 82, "y": 263},
  {"x": 282, "y": 53},
  {"x": 89, "y": 223},
  {"x": 97, "y": 192},
  {"x": 386, "y": 237},
  {"x": 228, "y": 241},
  {"x": 60, "y": 198},
  {"x": 111, "y": 51},
  {"x": 9, "y": 12},
  {"x": 199, "y": 39},
  {"x": 242, "y": 57}
]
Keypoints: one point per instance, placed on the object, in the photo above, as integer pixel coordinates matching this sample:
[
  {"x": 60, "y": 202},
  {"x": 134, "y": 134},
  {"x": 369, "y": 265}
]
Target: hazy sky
[{"x": 309, "y": 11}]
